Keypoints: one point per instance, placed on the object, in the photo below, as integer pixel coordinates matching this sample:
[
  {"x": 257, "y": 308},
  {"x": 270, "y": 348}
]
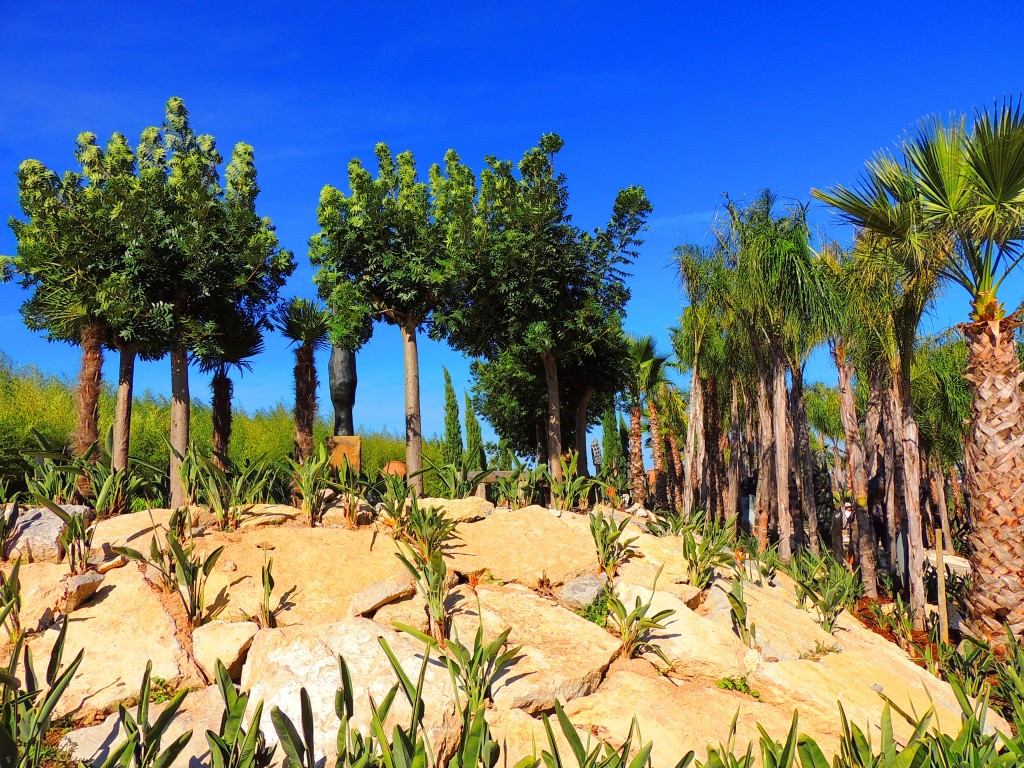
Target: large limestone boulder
[
  {"x": 224, "y": 641},
  {"x": 867, "y": 668},
  {"x": 36, "y": 537},
  {"x": 525, "y": 546},
  {"x": 133, "y": 530},
  {"x": 259, "y": 515},
  {"x": 201, "y": 711},
  {"x": 677, "y": 716},
  {"x": 282, "y": 661},
  {"x": 654, "y": 553},
  {"x": 122, "y": 627},
  {"x": 317, "y": 571},
  {"x": 465, "y": 510},
  {"x": 563, "y": 656},
  {"x": 696, "y": 647}
]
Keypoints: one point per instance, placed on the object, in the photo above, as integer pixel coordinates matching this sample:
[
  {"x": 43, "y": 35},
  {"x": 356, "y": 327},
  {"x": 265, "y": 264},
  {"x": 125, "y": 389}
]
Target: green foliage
[
  {"x": 458, "y": 481},
  {"x": 191, "y": 571},
  {"x": 739, "y": 613},
  {"x": 830, "y": 587},
  {"x": 267, "y": 619},
  {"x": 232, "y": 746},
  {"x": 431, "y": 576},
  {"x": 705, "y": 551},
  {"x": 452, "y": 447},
  {"x": 613, "y": 548},
  {"x": 635, "y": 626},
  {"x": 311, "y": 478},
  {"x": 523, "y": 486},
  {"x": 26, "y": 707},
  {"x": 597, "y": 612},
  {"x": 572, "y": 488},
  {"x": 142, "y": 739},
  {"x": 229, "y": 492},
  {"x": 76, "y": 538},
  {"x": 614, "y": 460},
  {"x": 600, "y": 755},
  {"x": 738, "y": 684},
  {"x": 160, "y": 557},
  {"x": 10, "y": 600},
  {"x": 427, "y": 529}
]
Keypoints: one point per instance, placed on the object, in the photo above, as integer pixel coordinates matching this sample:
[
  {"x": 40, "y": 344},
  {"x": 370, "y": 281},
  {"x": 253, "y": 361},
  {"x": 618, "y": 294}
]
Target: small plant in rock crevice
[
  {"x": 191, "y": 571},
  {"x": 613, "y": 548},
  {"x": 739, "y": 685},
  {"x": 428, "y": 529},
  {"x": 143, "y": 739},
  {"x": 597, "y": 611},
  {"x": 704, "y": 552},
  {"x": 232, "y": 745},
  {"x": 831, "y": 589},
  {"x": 431, "y": 577},
  {"x": 820, "y": 651},
  {"x": 635, "y": 627},
  {"x": 311, "y": 481},
  {"x": 739, "y": 612}
]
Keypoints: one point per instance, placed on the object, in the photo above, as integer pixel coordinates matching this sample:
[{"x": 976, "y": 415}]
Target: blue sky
[{"x": 690, "y": 100}]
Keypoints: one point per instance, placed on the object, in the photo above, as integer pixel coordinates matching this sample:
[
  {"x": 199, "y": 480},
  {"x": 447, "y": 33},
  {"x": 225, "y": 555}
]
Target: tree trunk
[
  {"x": 678, "y": 489},
  {"x": 637, "y": 476},
  {"x": 837, "y": 494},
  {"x": 995, "y": 473},
  {"x": 858, "y": 471},
  {"x": 694, "y": 435},
  {"x": 123, "y": 409},
  {"x": 181, "y": 405},
  {"x": 583, "y": 467},
  {"x": 221, "y": 408},
  {"x": 805, "y": 460},
  {"x": 413, "y": 428},
  {"x": 939, "y": 494},
  {"x": 305, "y": 401},
  {"x": 764, "y": 460},
  {"x": 780, "y": 419},
  {"x": 658, "y": 455},
  {"x": 87, "y": 431},
  {"x": 958, "y": 494},
  {"x": 715, "y": 465},
  {"x": 907, "y": 432},
  {"x": 732, "y": 496}
]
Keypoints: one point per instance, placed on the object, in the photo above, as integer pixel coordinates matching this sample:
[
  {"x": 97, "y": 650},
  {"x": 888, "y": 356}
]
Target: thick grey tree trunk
[
  {"x": 181, "y": 406},
  {"x": 123, "y": 409},
  {"x": 413, "y": 426}
]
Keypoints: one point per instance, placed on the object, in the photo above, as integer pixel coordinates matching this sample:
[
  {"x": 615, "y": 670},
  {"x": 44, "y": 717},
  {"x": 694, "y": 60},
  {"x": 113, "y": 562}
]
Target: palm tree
[
  {"x": 242, "y": 340},
  {"x": 305, "y": 323},
  {"x": 968, "y": 186},
  {"x": 672, "y": 406},
  {"x": 646, "y": 372}
]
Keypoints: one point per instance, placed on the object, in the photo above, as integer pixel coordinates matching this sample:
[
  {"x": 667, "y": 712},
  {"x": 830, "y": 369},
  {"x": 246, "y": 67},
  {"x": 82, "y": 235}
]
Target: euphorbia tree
[
  {"x": 214, "y": 254},
  {"x": 378, "y": 256},
  {"x": 967, "y": 182}
]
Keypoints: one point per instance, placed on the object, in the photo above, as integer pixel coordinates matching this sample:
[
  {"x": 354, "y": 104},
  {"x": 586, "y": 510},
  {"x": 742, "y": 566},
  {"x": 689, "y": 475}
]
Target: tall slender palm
[
  {"x": 968, "y": 185},
  {"x": 306, "y": 324},
  {"x": 672, "y": 411},
  {"x": 646, "y": 372},
  {"x": 242, "y": 341}
]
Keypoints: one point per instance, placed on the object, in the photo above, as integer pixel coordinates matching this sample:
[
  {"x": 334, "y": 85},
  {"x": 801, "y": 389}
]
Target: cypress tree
[
  {"x": 611, "y": 445},
  {"x": 451, "y": 450},
  {"x": 475, "y": 456}
]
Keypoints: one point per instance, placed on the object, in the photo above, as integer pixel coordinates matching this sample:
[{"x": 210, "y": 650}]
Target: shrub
[
  {"x": 705, "y": 552},
  {"x": 613, "y": 548},
  {"x": 746, "y": 631},
  {"x": 831, "y": 589},
  {"x": 431, "y": 577}
]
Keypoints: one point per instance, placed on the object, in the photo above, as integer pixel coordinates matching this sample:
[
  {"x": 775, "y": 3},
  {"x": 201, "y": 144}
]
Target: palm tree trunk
[
  {"x": 957, "y": 492},
  {"x": 837, "y": 493},
  {"x": 305, "y": 401},
  {"x": 893, "y": 493},
  {"x": 87, "y": 431},
  {"x": 413, "y": 426},
  {"x": 938, "y": 481},
  {"x": 553, "y": 425},
  {"x": 694, "y": 434},
  {"x": 804, "y": 459},
  {"x": 732, "y": 496},
  {"x": 906, "y": 431},
  {"x": 715, "y": 491},
  {"x": 858, "y": 471},
  {"x": 123, "y": 409},
  {"x": 221, "y": 408},
  {"x": 181, "y": 406},
  {"x": 678, "y": 489},
  {"x": 657, "y": 453},
  {"x": 637, "y": 477},
  {"x": 781, "y": 419},
  {"x": 764, "y": 460},
  {"x": 995, "y": 472}
]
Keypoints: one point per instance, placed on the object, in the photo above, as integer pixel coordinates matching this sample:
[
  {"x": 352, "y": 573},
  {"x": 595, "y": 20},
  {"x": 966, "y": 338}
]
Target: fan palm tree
[
  {"x": 968, "y": 186},
  {"x": 306, "y": 324},
  {"x": 646, "y": 372},
  {"x": 242, "y": 340}
]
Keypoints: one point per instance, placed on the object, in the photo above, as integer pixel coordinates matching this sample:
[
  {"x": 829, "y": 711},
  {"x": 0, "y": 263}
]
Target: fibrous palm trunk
[
  {"x": 305, "y": 401},
  {"x": 732, "y": 496},
  {"x": 765, "y": 462},
  {"x": 87, "y": 432},
  {"x": 657, "y": 453},
  {"x": 714, "y": 489},
  {"x": 780, "y": 419},
  {"x": 858, "y": 472},
  {"x": 637, "y": 477},
  {"x": 678, "y": 486},
  {"x": 123, "y": 409},
  {"x": 694, "y": 439},
  {"x": 413, "y": 427},
  {"x": 804, "y": 460},
  {"x": 995, "y": 471},
  {"x": 181, "y": 405},
  {"x": 221, "y": 412},
  {"x": 906, "y": 431}
]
